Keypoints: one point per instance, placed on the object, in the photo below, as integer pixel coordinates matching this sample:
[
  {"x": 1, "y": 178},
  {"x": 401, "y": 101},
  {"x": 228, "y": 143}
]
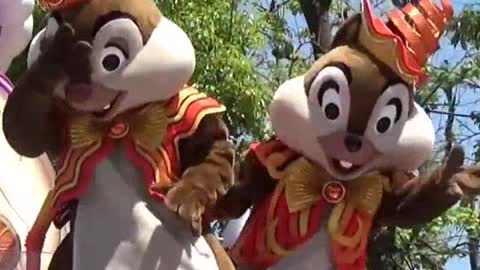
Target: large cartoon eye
[
  {"x": 389, "y": 115},
  {"x": 116, "y": 43},
  {"x": 113, "y": 57},
  {"x": 329, "y": 100},
  {"x": 330, "y": 92}
]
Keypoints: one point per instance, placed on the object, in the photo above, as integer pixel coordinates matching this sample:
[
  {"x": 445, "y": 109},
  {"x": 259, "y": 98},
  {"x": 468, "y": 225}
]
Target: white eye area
[
  {"x": 330, "y": 92},
  {"x": 386, "y": 119},
  {"x": 114, "y": 46},
  {"x": 51, "y": 28},
  {"x": 113, "y": 58},
  {"x": 330, "y": 103}
]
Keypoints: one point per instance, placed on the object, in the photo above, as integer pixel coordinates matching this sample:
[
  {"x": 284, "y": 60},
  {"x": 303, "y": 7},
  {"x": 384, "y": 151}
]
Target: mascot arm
[
  {"x": 59, "y": 56},
  {"x": 206, "y": 162},
  {"x": 254, "y": 184},
  {"x": 418, "y": 199},
  {"x": 27, "y": 118}
]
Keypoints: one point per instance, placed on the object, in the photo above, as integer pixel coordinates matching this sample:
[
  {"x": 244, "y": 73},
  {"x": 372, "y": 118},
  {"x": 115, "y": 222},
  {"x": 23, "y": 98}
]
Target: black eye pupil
[
  {"x": 383, "y": 124},
  {"x": 111, "y": 62},
  {"x": 332, "y": 111}
]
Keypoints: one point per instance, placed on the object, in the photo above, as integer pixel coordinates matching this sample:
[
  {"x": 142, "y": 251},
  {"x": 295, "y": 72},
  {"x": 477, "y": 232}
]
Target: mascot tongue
[{"x": 78, "y": 93}]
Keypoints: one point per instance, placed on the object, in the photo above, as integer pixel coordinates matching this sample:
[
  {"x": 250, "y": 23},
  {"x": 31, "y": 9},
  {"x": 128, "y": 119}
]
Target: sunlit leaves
[
  {"x": 466, "y": 29},
  {"x": 226, "y": 37},
  {"x": 431, "y": 245}
]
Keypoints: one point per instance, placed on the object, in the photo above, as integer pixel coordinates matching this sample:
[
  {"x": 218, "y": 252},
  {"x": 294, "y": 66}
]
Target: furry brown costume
[
  {"x": 346, "y": 132},
  {"x": 107, "y": 75}
]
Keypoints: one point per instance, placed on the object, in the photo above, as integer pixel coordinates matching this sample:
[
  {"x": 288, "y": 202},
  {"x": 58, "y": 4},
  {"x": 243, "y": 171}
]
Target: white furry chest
[
  {"x": 314, "y": 254},
  {"x": 119, "y": 227}
]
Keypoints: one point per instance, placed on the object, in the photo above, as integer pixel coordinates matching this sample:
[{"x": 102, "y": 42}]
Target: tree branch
[{"x": 316, "y": 15}]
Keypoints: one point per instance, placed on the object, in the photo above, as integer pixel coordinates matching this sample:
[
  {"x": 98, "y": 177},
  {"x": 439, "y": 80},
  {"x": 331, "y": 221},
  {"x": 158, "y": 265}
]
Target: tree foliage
[
  {"x": 227, "y": 38},
  {"x": 451, "y": 98}
]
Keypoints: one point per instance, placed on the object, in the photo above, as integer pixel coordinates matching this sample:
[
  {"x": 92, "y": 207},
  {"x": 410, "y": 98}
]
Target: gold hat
[{"x": 409, "y": 37}]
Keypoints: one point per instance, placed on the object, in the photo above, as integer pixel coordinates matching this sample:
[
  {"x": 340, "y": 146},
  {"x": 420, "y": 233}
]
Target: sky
[{"x": 453, "y": 55}]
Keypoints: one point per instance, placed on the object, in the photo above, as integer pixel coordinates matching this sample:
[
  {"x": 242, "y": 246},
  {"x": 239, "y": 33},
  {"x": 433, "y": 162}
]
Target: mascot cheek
[
  {"x": 34, "y": 49},
  {"x": 171, "y": 47},
  {"x": 289, "y": 113},
  {"x": 414, "y": 147}
]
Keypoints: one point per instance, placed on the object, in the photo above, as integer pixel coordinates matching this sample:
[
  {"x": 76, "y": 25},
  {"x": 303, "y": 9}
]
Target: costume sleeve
[
  {"x": 253, "y": 185},
  {"x": 28, "y": 124},
  {"x": 416, "y": 199},
  {"x": 207, "y": 157}
]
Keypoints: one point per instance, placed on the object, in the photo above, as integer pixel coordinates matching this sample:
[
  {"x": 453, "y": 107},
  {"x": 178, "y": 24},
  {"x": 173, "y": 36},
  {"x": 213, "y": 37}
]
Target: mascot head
[
  {"x": 137, "y": 55},
  {"x": 353, "y": 112},
  {"x": 96, "y": 58}
]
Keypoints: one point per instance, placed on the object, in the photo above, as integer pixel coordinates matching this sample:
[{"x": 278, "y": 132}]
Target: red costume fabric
[
  {"x": 184, "y": 112},
  {"x": 274, "y": 230},
  {"x": 160, "y": 164}
]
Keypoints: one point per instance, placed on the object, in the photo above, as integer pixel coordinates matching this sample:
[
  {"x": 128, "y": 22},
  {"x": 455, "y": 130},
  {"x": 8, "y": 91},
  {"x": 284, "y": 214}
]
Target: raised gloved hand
[
  {"x": 63, "y": 57},
  {"x": 198, "y": 189},
  {"x": 419, "y": 199}
]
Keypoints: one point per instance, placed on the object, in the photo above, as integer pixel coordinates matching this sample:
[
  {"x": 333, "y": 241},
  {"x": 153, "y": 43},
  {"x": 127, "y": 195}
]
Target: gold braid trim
[
  {"x": 147, "y": 126},
  {"x": 272, "y": 242},
  {"x": 302, "y": 183}
]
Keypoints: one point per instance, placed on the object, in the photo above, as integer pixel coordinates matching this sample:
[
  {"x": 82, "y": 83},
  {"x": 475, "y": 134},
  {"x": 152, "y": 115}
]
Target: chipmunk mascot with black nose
[
  {"x": 24, "y": 182},
  {"x": 134, "y": 149},
  {"x": 349, "y": 140}
]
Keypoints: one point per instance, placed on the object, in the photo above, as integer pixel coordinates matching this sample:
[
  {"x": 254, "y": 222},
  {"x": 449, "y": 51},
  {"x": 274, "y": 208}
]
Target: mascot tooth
[
  {"x": 24, "y": 182},
  {"x": 137, "y": 152},
  {"x": 316, "y": 197}
]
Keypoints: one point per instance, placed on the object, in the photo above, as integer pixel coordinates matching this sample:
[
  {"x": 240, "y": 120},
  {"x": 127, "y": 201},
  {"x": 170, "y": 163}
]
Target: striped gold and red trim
[
  {"x": 274, "y": 230},
  {"x": 185, "y": 112},
  {"x": 192, "y": 107},
  {"x": 160, "y": 165},
  {"x": 75, "y": 175}
]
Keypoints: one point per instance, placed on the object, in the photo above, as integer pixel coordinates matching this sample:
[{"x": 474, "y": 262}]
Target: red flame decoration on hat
[{"x": 410, "y": 36}]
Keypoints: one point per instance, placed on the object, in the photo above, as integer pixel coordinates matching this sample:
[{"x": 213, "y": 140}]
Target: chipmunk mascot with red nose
[
  {"x": 134, "y": 148},
  {"x": 349, "y": 140}
]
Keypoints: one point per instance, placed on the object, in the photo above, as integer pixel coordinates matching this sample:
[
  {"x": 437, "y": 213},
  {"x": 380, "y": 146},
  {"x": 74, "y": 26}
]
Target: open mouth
[
  {"x": 344, "y": 166},
  {"x": 108, "y": 108},
  {"x": 95, "y": 99}
]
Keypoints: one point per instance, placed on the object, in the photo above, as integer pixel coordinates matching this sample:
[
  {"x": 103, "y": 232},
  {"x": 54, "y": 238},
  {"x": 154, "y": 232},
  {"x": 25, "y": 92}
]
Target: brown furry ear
[
  {"x": 348, "y": 32},
  {"x": 26, "y": 122}
]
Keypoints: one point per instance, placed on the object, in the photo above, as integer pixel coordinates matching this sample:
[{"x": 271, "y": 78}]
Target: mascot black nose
[{"x": 353, "y": 143}]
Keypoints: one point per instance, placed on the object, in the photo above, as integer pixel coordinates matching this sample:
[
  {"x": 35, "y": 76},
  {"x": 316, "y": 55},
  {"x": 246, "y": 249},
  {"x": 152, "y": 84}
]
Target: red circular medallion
[
  {"x": 118, "y": 130},
  {"x": 333, "y": 192}
]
